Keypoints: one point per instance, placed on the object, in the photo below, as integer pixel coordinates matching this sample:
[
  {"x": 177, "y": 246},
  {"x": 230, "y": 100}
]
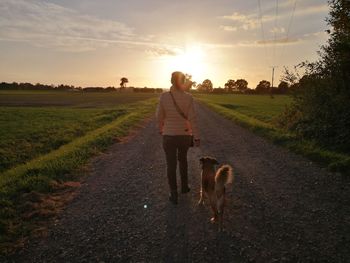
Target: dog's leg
[
  {"x": 201, "y": 198},
  {"x": 221, "y": 217},
  {"x": 220, "y": 205},
  {"x": 215, "y": 211}
]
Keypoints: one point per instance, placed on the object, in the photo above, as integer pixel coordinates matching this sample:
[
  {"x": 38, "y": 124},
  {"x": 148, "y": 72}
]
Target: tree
[
  {"x": 123, "y": 82},
  {"x": 283, "y": 87},
  {"x": 199, "y": 87},
  {"x": 188, "y": 77},
  {"x": 263, "y": 86},
  {"x": 190, "y": 84},
  {"x": 230, "y": 85},
  {"x": 335, "y": 56},
  {"x": 291, "y": 77},
  {"x": 241, "y": 84},
  {"x": 207, "y": 85},
  {"x": 218, "y": 90},
  {"x": 320, "y": 110}
]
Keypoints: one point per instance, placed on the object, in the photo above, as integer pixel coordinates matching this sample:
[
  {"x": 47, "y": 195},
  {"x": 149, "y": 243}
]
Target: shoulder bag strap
[{"x": 183, "y": 115}]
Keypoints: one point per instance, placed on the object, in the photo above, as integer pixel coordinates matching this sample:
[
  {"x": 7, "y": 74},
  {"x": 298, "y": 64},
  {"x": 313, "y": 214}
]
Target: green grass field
[
  {"x": 260, "y": 113},
  {"x": 28, "y": 132},
  {"x": 46, "y": 137},
  {"x": 69, "y": 99},
  {"x": 259, "y": 107}
]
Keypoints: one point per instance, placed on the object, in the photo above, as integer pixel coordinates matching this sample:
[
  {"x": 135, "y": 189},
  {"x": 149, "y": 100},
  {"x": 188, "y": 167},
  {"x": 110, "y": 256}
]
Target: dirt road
[{"x": 281, "y": 208}]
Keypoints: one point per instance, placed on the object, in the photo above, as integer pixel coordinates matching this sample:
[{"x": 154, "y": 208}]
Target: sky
[{"x": 95, "y": 43}]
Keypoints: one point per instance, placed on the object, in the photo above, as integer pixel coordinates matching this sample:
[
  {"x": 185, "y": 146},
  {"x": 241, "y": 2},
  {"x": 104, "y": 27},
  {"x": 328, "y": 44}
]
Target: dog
[{"x": 213, "y": 187}]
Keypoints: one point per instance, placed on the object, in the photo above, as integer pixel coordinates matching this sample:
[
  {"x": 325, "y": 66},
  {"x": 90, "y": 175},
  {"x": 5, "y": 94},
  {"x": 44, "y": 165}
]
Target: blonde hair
[{"x": 176, "y": 75}]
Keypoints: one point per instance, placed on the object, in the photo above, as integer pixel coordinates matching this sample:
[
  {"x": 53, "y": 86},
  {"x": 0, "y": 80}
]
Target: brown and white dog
[{"x": 213, "y": 187}]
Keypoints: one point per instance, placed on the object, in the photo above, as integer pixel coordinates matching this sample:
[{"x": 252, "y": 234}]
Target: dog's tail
[{"x": 224, "y": 175}]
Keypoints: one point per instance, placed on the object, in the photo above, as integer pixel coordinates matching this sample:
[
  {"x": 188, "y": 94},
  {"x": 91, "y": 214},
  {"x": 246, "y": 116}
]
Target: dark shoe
[
  {"x": 173, "y": 198},
  {"x": 185, "y": 190}
]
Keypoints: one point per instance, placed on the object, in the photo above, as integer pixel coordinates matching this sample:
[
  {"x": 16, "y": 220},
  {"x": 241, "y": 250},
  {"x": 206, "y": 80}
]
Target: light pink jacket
[{"x": 170, "y": 121}]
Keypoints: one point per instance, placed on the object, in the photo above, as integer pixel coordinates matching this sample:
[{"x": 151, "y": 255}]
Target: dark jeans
[{"x": 175, "y": 148}]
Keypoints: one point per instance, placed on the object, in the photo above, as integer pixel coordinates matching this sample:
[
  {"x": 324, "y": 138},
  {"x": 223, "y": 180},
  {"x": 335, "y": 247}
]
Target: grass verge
[
  {"x": 29, "y": 132},
  {"x": 334, "y": 161},
  {"x": 41, "y": 174}
]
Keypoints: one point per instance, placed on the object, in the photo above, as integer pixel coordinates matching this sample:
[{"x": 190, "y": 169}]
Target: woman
[{"x": 178, "y": 125}]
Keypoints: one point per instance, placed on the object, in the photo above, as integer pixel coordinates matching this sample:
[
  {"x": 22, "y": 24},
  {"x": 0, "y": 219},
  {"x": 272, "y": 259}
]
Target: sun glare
[{"x": 190, "y": 61}]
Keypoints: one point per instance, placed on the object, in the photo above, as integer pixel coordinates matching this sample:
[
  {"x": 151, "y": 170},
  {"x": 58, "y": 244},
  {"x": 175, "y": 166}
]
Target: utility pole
[
  {"x": 273, "y": 75},
  {"x": 272, "y": 79}
]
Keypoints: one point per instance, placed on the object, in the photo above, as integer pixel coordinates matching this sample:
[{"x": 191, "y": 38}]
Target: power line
[
  {"x": 289, "y": 28},
  {"x": 275, "y": 31},
  {"x": 275, "y": 34},
  {"x": 262, "y": 28},
  {"x": 291, "y": 18}
]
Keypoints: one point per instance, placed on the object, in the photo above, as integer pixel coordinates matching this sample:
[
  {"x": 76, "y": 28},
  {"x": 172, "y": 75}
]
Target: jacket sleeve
[
  {"x": 192, "y": 118},
  {"x": 160, "y": 114}
]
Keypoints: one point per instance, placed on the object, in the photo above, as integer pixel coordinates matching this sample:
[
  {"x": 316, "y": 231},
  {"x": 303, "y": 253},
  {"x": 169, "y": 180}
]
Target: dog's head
[{"x": 208, "y": 161}]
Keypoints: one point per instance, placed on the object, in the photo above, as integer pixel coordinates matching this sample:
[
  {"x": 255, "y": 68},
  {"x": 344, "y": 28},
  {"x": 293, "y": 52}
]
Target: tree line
[
  {"x": 241, "y": 86},
  {"x": 62, "y": 87}
]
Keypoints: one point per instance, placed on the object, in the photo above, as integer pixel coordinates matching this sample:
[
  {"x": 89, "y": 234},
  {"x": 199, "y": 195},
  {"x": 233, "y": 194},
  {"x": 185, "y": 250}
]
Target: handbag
[{"x": 183, "y": 115}]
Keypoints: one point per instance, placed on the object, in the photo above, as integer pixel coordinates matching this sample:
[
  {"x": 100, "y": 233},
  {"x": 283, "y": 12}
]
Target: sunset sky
[{"x": 95, "y": 43}]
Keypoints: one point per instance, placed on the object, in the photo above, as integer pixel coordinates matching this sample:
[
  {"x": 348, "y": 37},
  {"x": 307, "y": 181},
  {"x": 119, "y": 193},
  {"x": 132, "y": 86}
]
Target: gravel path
[{"x": 281, "y": 208}]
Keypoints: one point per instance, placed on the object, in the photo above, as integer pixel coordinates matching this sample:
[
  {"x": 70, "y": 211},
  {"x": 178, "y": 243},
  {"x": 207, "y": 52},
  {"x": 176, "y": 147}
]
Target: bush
[
  {"x": 320, "y": 113},
  {"x": 320, "y": 110}
]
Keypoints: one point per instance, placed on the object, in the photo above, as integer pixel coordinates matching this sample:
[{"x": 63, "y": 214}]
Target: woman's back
[{"x": 174, "y": 123}]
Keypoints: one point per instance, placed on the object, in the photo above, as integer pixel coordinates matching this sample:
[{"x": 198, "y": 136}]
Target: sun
[{"x": 190, "y": 61}]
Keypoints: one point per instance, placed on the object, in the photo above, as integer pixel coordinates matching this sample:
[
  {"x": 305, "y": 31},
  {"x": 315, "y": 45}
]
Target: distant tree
[
  {"x": 123, "y": 82},
  {"x": 64, "y": 87},
  {"x": 188, "y": 77},
  {"x": 218, "y": 90},
  {"x": 250, "y": 91},
  {"x": 241, "y": 84},
  {"x": 263, "y": 86},
  {"x": 283, "y": 87},
  {"x": 94, "y": 89},
  {"x": 110, "y": 89},
  {"x": 189, "y": 83},
  {"x": 230, "y": 85},
  {"x": 207, "y": 86},
  {"x": 291, "y": 77}
]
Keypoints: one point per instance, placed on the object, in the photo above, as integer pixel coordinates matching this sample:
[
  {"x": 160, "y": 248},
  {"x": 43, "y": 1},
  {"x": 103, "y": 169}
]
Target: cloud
[
  {"x": 310, "y": 10},
  {"x": 235, "y": 17},
  {"x": 162, "y": 51},
  {"x": 229, "y": 28},
  {"x": 45, "y": 24},
  {"x": 252, "y": 21},
  {"x": 303, "y": 8},
  {"x": 280, "y": 41},
  {"x": 278, "y": 30},
  {"x": 320, "y": 35},
  {"x": 246, "y": 22}
]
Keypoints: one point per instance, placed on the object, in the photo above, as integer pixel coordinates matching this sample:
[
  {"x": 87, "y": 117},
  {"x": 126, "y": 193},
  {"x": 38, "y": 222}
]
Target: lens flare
[{"x": 190, "y": 61}]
